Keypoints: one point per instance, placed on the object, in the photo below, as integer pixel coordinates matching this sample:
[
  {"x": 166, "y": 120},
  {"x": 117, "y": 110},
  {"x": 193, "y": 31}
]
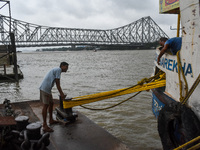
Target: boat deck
[{"x": 83, "y": 134}]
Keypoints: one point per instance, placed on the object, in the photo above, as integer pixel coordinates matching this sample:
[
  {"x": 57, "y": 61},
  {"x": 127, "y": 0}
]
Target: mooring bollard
[
  {"x": 22, "y": 122},
  {"x": 66, "y": 114}
]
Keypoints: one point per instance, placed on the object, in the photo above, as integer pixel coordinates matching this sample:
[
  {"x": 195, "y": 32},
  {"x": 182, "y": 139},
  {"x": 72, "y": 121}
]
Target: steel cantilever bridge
[{"x": 138, "y": 33}]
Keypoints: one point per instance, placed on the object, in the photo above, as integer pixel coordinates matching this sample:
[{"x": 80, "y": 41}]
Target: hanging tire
[{"x": 177, "y": 124}]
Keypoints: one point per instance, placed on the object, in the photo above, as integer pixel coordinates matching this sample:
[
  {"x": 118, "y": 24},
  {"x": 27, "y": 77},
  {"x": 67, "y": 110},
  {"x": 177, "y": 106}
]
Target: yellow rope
[
  {"x": 183, "y": 99},
  {"x": 81, "y": 100},
  {"x": 153, "y": 82},
  {"x": 186, "y": 144},
  {"x": 180, "y": 71},
  {"x": 196, "y": 83},
  {"x": 112, "y": 105}
]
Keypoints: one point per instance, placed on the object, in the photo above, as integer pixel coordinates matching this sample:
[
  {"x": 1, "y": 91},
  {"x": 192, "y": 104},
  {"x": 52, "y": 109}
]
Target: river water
[{"x": 91, "y": 72}]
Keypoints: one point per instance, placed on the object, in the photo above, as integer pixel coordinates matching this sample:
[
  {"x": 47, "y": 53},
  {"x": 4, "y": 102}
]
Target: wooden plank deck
[
  {"x": 7, "y": 72},
  {"x": 83, "y": 134}
]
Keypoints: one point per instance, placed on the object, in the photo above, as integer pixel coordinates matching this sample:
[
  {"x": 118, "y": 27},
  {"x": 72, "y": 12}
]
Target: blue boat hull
[
  {"x": 159, "y": 100},
  {"x": 157, "y": 105}
]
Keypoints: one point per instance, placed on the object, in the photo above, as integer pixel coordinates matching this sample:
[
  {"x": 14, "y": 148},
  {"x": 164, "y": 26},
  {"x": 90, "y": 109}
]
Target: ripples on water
[{"x": 91, "y": 72}]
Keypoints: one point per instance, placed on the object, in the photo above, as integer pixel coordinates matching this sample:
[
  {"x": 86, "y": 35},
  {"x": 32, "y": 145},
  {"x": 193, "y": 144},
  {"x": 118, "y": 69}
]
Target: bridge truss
[{"x": 137, "y": 33}]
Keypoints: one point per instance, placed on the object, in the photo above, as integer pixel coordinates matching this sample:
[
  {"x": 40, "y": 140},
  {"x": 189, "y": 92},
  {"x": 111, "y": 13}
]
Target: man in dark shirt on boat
[
  {"x": 174, "y": 44},
  {"x": 52, "y": 77}
]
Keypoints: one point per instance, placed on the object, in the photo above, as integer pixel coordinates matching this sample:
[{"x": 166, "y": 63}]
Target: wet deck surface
[{"x": 83, "y": 134}]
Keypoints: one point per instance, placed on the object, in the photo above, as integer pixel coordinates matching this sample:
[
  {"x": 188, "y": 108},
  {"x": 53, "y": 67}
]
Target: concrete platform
[{"x": 83, "y": 134}]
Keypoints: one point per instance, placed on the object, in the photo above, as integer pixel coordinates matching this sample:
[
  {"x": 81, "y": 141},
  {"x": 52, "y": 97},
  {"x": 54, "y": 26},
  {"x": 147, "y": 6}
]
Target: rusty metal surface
[
  {"x": 7, "y": 121},
  {"x": 83, "y": 135}
]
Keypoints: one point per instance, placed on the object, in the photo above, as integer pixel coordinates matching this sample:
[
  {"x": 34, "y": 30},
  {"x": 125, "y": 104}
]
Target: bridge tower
[{"x": 8, "y": 58}]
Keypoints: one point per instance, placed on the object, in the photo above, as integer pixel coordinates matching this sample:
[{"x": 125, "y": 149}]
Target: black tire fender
[{"x": 177, "y": 124}]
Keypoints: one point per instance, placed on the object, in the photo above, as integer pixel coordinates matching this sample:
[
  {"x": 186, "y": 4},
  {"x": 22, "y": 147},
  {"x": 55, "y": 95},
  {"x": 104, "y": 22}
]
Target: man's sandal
[{"x": 48, "y": 129}]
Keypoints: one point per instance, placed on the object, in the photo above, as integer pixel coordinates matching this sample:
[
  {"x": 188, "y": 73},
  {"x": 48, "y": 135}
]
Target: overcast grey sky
[{"x": 90, "y": 14}]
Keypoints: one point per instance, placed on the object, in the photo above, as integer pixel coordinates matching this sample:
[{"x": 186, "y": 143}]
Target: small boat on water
[{"x": 177, "y": 105}]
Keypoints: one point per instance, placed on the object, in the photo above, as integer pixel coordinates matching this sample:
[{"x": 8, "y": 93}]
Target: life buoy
[{"x": 177, "y": 124}]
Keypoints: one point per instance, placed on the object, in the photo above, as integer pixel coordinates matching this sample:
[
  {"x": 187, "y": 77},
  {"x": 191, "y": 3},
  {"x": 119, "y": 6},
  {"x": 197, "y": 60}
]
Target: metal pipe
[{"x": 178, "y": 25}]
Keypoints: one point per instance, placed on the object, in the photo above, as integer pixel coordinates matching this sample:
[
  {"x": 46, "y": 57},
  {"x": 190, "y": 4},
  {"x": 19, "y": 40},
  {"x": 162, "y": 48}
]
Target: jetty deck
[
  {"x": 83, "y": 134},
  {"x": 7, "y": 72}
]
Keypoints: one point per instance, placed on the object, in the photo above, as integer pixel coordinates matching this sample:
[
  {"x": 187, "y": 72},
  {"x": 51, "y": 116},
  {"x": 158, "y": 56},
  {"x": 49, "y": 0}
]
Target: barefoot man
[{"x": 52, "y": 77}]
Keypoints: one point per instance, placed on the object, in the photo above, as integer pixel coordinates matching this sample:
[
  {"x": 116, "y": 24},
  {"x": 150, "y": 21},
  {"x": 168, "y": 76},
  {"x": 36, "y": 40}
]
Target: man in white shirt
[{"x": 52, "y": 77}]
